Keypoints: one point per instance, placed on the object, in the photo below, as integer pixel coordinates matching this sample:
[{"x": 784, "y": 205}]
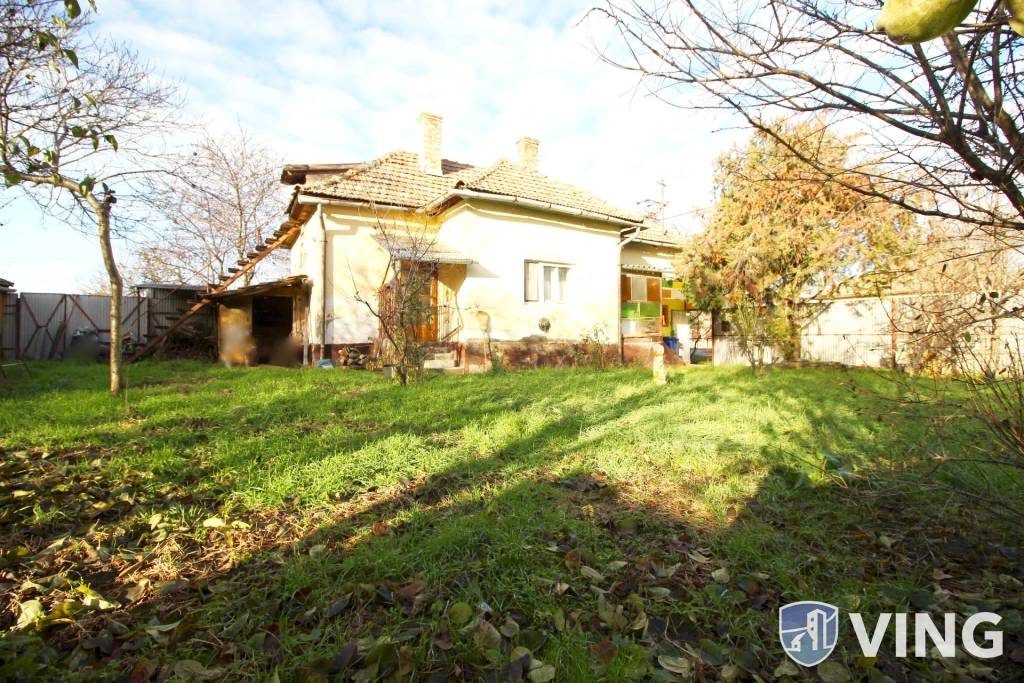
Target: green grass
[{"x": 491, "y": 489}]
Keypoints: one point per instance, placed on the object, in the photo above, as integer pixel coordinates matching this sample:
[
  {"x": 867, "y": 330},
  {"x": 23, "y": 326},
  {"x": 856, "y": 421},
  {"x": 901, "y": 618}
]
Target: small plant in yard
[
  {"x": 591, "y": 351},
  {"x": 759, "y": 331}
]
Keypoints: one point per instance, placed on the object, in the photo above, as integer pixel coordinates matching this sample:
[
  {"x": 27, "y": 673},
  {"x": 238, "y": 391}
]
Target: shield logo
[{"x": 808, "y": 631}]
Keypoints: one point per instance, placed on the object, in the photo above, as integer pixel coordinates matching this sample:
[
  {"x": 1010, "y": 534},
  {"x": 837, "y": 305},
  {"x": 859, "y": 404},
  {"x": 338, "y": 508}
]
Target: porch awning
[{"x": 420, "y": 250}]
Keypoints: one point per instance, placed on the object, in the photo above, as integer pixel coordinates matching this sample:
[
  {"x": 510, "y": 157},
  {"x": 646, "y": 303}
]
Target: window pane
[
  {"x": 530, "y": 282},
  {"x": 639, "y": 288},
  {"x": 654, "y": 289},
  {"x": 563, "y": 278},
  {"x": 549, "y": 279}
]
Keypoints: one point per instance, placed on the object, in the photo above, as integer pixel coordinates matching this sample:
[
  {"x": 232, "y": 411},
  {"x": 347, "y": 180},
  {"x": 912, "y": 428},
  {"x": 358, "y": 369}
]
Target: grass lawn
[{"x": 285, "y": 525}]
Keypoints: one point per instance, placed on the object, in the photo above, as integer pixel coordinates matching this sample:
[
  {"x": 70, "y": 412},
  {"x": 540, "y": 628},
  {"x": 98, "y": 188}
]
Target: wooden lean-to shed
[{"x": 257, "y": 325}]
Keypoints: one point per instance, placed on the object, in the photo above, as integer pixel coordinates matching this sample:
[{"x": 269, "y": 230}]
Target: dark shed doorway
[{"x": 271, "y": 326}]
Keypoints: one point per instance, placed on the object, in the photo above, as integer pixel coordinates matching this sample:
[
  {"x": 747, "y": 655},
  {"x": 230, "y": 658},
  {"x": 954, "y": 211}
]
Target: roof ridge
[{"x": 485, "y": 172}]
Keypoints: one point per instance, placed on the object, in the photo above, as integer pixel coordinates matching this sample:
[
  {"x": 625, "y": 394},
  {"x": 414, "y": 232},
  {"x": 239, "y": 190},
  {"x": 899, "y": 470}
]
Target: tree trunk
[
  {"x": 796, "y": 328},
  {"x": 116, "y": 290}
]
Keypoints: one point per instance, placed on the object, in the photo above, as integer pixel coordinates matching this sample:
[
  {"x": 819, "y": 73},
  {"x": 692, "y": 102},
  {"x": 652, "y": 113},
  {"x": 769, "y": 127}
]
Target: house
[{"x": 524, "y": 266}]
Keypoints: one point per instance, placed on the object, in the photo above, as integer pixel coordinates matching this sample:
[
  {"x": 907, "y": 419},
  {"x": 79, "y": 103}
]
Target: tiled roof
[
  {"x": 509, "y": 178},
  {"x": 396, "y": 179},
  {"x": 653, "y": 233}
]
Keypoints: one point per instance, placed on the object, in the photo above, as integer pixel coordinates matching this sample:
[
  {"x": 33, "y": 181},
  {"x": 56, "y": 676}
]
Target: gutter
[
  {"x": 618, "y": 318},
  {"x": 323, "y": 285},
  {"x": 324, "y": 201}
]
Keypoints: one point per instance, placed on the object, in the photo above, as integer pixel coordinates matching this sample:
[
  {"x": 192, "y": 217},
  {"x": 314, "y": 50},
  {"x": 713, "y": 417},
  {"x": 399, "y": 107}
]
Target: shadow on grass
[{"x": 527, "y": 525}]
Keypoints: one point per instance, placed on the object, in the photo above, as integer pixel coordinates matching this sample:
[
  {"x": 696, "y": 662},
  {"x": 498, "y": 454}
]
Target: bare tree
[
  {"x": 958, "y": 304},
  {"x": 80, "y": 118},
  {"x": 405, "y": 305},
  {"x": 223, "y": 202},
  {"x": 942, "y": 120}
]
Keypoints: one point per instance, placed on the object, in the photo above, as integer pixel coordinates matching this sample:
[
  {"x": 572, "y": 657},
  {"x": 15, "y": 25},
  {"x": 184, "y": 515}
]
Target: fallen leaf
[
  {"x": 786, "y": 668},
  {"x": 510, "y": 628},
  {"x": 161, "y": 588},
  {"x": 710, "y": 652},
  {"x": 542, "y": 674},
  {"x": 213, "y": 522},
  {"x": 344, "y": 657},
  {"x": 590, "y": 573},
  {"x": 191, "y": 670},
  {"x": 379, "y": 528},
  {"x": 272, "y": 642},
  {"x": 304, "y": 674},
  {"x": 698, "y": 557},
  {"x": 143, "y": 670},
  {"x": 408, "y": 634},
  {"x": 136, "y": 592},
  {"x": 720, "y": 575},
  {"x": 745, "y": 660},
  {"x": 31, "y": 610},
  {"x": 678, "y": 665},
  {"x": 337, "y": 607},
  {"x": 833, "y": 672},
  {"x": 94, "y": 600},
  {"x": 604, "y": 651},
  {"x": 532, "y": 640},
  {"x": 486, "y": 636},
  {"x": 748, "y": 585},
  {"x": 412, "y": 590},
  {"x": 921, "y": 599}
]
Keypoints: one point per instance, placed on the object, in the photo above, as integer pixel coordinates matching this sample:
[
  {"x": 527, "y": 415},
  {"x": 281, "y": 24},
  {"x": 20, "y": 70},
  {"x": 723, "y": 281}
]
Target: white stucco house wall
[{"x": 526, "y": 266}]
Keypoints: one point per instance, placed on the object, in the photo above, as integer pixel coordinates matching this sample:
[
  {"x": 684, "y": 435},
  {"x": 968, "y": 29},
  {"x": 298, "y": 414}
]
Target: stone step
[
  {"x": 440, "y": 355},
  {"x": 439, "y": 364}
]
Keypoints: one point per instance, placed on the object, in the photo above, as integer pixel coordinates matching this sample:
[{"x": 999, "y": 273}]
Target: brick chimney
[
  {"x": 527, "y": 148},
  {"x": 430, "y": 141}
]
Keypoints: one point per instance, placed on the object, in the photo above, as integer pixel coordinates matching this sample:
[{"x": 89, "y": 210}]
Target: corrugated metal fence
[{"x": 39, "y": 326}]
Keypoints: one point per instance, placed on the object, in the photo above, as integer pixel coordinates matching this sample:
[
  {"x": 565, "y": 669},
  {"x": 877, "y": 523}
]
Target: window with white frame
[{"x": 547, "y": 282}]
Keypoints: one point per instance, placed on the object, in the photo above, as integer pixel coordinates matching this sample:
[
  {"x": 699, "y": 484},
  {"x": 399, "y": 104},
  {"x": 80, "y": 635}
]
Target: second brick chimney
[
  {"x": 430, "y": 141},
  {"x": 528, "y": 152}
]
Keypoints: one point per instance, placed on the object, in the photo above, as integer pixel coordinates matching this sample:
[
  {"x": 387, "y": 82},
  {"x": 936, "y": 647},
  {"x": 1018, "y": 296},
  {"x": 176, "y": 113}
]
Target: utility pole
[
  {"x": 652, "y": 208},
  {"x": 663, "y": 205}
]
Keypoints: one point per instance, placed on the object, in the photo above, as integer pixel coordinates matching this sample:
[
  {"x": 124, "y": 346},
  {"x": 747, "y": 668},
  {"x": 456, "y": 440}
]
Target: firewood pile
[{"x": 353, "y": 358}]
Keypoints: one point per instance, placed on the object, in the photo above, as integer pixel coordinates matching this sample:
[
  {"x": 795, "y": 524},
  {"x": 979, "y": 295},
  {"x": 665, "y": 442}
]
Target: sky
[{"x": 344, "y": 80}]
